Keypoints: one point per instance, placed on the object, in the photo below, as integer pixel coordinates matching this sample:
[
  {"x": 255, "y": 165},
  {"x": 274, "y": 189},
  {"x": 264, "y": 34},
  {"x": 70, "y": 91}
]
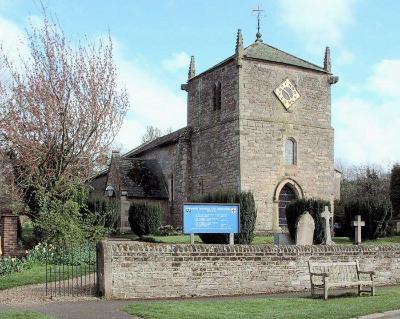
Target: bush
[
  {"x": 248, "y": 215},
  {"x": 10, "y": 265},
  {"x": 315, "y": 207},
  {"x": 340, "y": 227},
  {"x": 395, "y": 190},
  {"x": 106, "y": 210},
  {"x": 168, "y": 230},
  {"x": 376, "y": 213},
  {"x": 144, "y": 218},
  {"x": 64, "y": 219}
]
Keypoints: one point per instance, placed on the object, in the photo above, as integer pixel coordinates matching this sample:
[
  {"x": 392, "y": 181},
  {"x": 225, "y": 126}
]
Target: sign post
[{"x": 211, "y": 219}]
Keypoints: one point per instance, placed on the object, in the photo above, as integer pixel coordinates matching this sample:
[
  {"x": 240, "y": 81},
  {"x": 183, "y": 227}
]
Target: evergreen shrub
[
  {"x": 395, "y": 190},
  {"x": 144, "y": 218},
  {"x": 376, "y": 214},
  {"x": 315, "y": 207},
  {"x": 248, "y": 215}
]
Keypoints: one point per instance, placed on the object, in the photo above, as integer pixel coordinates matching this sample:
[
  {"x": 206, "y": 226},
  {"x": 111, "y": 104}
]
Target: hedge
[
  {"x": 144, "y": 218},
  {"x": 376, "y": 214},
  {"x": 395, "y": 190}
]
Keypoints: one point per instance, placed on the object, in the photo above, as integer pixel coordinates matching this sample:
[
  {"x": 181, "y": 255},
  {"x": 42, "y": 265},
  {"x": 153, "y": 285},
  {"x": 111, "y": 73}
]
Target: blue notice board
[{"x": 211, "y": 218}]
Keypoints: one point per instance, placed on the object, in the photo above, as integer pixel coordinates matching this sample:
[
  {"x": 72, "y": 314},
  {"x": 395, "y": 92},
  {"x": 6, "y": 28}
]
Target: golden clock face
[{"x": 287, "y": 93}]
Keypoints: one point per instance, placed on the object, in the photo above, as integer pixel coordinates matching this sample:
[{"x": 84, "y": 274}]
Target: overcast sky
[{"x": 154, "y": 40}]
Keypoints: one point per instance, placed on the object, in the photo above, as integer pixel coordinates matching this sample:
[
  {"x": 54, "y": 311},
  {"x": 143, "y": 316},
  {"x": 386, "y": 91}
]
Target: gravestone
[
  {"x": 305, "y": 229},
  {"x": 327, "y": 215},
  {"x": 358, "y": 223},
  {"x": 282, "y": 239}
]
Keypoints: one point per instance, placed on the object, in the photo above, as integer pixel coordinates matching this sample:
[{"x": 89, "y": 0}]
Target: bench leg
[
  {"x": 373, "y": 290},
  {"x": 312, "y": 290},
  {"x": 359, "y": 290},
  {"x": 325, "y": 292}
]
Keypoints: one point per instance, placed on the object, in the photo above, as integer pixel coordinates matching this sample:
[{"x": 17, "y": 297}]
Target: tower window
[
  {"x": 217, "y": 96},
  {"x": 290, "y": 151}
]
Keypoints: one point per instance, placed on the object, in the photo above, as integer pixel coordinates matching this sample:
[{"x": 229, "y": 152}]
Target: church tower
[{"x": 261, "y": 121}]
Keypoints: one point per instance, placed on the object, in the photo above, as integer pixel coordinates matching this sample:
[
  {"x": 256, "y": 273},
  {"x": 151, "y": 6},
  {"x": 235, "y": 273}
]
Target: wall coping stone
[{"x": 213, "y": 248}]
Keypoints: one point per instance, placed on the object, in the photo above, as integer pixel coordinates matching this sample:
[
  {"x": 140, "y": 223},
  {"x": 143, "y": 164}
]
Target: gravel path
[{"x": 36, "y": 294}]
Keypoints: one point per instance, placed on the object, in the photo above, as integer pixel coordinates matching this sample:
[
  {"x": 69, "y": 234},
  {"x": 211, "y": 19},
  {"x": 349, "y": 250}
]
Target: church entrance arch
[
  {"x": 286, "y": 191},
  {"x": 286, "y": 195}
]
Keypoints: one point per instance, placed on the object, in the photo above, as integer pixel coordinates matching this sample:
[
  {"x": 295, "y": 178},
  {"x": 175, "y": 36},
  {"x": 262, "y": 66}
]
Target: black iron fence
[{"x": 71, "y": 271}]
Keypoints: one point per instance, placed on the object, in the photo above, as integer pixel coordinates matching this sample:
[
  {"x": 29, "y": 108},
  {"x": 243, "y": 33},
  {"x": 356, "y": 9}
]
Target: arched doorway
[{"x": 286, "y": 195}]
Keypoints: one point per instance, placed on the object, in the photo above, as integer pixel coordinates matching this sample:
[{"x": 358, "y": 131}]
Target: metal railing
[{"x": 72, "y": 271}]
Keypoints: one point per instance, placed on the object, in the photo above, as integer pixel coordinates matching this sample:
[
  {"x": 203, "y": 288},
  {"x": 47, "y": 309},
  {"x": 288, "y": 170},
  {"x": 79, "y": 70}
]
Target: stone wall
[
  {"x": 265, "y": 125},
  {"x": 215, "y": 161},
  {"x": 143, "y": 270}
]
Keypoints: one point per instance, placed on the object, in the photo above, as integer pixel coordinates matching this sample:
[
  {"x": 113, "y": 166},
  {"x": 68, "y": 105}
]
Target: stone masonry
[
  {"x": 265, "y": 125},
  {"x": 142, "y": 270},
  {"x": 240, "y": 144}
]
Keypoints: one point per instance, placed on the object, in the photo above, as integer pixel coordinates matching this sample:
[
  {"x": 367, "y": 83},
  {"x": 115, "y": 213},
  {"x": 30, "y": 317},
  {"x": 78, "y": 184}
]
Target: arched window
[
  {"x": 290, "y": 151},
  {"x": 217, "y": 96}
]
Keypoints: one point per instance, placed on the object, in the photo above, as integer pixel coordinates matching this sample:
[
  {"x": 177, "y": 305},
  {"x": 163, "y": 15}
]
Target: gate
[{"x": 72, "y": 271}]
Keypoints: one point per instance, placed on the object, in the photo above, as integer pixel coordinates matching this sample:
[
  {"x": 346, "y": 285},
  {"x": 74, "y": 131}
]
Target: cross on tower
[
  {"x": 326, "y": 214},
  {"x": 358, "y": 223},
  {"x": 258, "y": 13}
]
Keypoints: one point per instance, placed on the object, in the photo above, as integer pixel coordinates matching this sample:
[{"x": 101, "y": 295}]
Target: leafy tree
[
  {"x": 395, "y": 190},
  {"x": 60, "y": 110},
  {"x": 64, "y": 217}
]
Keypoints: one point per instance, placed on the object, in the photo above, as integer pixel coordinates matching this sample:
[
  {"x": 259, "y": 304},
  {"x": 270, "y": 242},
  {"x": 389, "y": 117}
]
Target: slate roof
[
  {"x": 158, "y": 142},
  {"x": 143, "y": 178},
  {"x": 263, "y": 51}
]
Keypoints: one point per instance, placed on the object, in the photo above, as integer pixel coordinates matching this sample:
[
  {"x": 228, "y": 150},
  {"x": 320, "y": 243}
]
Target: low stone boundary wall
[{"x": 144, "y": 270}]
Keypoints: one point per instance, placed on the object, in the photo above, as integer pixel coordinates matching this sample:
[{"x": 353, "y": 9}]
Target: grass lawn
[
  {"x": 23, "y": 315},
  {"x": 379, "y": 241},
  {"x": 34, "y": 275},
  {"x": 269, "y": 307}
]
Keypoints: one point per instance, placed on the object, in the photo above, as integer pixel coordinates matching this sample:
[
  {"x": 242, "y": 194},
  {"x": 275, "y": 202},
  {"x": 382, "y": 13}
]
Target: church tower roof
[{"x": 262, "y": 51}]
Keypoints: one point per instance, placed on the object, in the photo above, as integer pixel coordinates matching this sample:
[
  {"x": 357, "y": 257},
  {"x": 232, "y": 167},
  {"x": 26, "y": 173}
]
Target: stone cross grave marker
[
  {"x": 327, "y": 215},
  {"x": 305, "y": 229},
  {"x": 358, "y": 223}
]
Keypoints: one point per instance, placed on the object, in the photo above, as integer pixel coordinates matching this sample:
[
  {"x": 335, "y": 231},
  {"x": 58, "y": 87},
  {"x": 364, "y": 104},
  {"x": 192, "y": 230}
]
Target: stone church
[{"x": 258, "y": 121}]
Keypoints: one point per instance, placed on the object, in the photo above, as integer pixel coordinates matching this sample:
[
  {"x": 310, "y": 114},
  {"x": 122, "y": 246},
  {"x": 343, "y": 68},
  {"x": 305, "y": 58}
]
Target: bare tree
[
  {"x": 61, "y": 110},
  {"x": 151, "y": 134},
  {"x": 364, "y": 181}
]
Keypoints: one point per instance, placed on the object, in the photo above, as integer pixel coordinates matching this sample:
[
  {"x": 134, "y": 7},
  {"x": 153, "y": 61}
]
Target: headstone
[
  {"x": 305, "y": 229},
  {"x": 358, "y": 223},
  {"x": 327, "y": 215},
  {"x": 282, "y": 239}
]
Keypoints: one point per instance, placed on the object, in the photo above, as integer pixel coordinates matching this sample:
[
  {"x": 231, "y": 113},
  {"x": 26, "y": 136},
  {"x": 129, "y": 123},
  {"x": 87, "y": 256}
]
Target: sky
[{"x": 155, "y": 39}]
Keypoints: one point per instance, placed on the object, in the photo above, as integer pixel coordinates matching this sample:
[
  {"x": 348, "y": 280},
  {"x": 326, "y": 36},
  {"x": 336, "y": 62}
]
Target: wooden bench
[{"x": 339, "y": 274}]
